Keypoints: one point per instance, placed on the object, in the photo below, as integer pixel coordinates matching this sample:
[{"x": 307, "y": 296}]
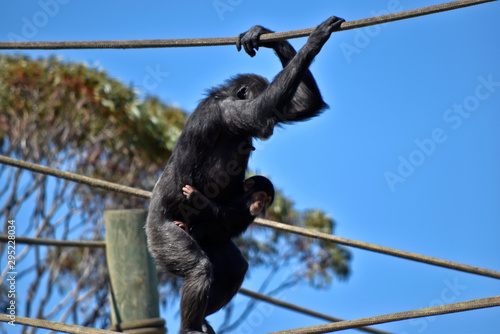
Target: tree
[{"x": 76, "y": 118}]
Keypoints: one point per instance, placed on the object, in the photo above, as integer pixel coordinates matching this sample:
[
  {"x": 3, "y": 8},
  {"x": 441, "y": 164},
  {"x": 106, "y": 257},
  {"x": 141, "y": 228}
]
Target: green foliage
[
  {"x": 50, "y": 107},
  {"x": 95, "y": 104}
]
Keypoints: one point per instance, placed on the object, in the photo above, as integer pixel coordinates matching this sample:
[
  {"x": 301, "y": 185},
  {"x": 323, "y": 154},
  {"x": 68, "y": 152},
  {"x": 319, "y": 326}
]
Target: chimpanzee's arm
[
  {"x": 224, "y": 221},
  {"x": 306, "y": 102},
  {"x": 293, "y": 95},
  {"x": 206, "y": 206}
]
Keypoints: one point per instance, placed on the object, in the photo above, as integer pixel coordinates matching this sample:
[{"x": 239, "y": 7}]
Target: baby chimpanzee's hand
[{"x": 189, "y": 191}]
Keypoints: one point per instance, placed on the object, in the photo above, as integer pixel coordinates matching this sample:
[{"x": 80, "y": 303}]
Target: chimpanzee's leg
[
  {"x": 229, "y": 269},
  {"x": 176, "y": 251}
]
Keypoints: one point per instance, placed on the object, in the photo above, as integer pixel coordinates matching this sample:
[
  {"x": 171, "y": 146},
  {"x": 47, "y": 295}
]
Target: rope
[
  {"x": 56, "y": 326},
  {"x": 151, "y": 322},
  {"x": 380, "y": 249},
  {"x": 146, "y": 326},
  {"x": 188, "y": 42},
  {"x": 264, "y": 222},
  {"x": 52, "y": 242},
  {"x": 424, "y": 312},
  {"x": 300, "y": 309},
  {"x": 133, "y": 325},
  {"x": 75, "y": 177}
]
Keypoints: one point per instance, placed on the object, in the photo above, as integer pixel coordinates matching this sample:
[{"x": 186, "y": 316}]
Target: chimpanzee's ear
[{"x": 248, "y": 184}]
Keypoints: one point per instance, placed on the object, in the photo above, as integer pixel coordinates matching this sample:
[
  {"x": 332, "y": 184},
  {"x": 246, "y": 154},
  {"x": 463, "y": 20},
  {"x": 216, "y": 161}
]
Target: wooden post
[{"x": 132, "y": 272}]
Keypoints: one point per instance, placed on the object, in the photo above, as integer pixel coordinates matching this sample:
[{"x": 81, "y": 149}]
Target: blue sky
[{"x": 407, "y": 156}]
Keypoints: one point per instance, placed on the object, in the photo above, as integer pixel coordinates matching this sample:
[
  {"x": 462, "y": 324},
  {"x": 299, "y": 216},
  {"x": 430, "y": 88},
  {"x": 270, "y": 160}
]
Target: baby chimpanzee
[{"x": 222, "y": 223}]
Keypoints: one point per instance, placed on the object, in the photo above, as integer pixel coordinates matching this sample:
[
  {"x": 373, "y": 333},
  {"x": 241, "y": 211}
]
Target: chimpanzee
[
  {"x": 212, "y": 154},
  {"x": 223, "y": 223}
]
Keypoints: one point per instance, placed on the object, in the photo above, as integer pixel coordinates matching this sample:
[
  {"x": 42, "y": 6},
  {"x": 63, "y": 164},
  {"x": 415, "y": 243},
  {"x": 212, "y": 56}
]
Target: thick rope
[
  {"x": 75, "y": 177},
  {"x": 146, "y": 326},
  {"x": 188, "y": 42},
  {"x": 55, "y": 326},
  {"x": 52, "y": 242},
  {"x": 425, "y": 312},
  {"x": 301, "y": 309},
  {"x": 129, "y": 325},
  {"x": 264, "y": 222},
  {"x": 430, "y": 311},
  {"x": 379, "y": 249}
]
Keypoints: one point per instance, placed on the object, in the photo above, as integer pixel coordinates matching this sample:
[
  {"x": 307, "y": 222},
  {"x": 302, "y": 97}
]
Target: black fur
[
  {"x": 212, "y": 155},
  {"x": 221, "y": 223}
]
